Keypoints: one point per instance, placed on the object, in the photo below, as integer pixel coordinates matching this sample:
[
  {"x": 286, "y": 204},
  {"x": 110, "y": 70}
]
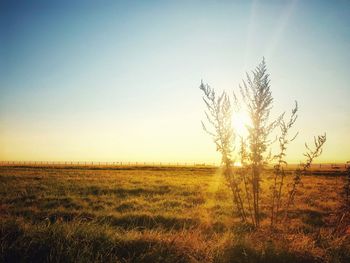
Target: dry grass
[{"x": 160, "y": 215}]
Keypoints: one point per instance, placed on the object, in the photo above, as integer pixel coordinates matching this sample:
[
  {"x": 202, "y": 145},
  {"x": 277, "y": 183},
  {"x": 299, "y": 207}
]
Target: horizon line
[{"x": 93, "y": 162}]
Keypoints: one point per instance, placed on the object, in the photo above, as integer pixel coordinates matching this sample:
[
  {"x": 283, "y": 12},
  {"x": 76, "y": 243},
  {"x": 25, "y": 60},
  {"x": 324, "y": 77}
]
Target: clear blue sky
[{"x": 109, "y": 80}]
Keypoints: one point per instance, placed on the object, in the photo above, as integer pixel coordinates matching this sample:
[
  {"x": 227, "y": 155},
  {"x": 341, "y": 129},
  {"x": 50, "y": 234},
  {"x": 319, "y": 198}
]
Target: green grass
[{"x": 159, "y": 214}]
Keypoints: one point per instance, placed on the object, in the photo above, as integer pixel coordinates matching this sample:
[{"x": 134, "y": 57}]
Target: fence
[
  {"x": 319, "y": 166},
  {"x": 105, "y": 164}
]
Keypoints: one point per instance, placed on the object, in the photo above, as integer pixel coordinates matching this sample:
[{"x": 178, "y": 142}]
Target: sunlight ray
[
  {"x": 284, "y": 19},
  {"x": 250, "y": 31}
]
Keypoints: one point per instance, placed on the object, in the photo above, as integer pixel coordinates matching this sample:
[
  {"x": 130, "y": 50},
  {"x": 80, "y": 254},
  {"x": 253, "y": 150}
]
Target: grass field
[{"x": 160, "y": 214}]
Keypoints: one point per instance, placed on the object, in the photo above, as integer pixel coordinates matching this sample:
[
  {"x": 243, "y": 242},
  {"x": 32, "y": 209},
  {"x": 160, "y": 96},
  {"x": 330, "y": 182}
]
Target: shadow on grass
[
  {"x": 123, "y": 192},
  {"x": 76, "y": 242},
  {"x": 52, "y": 216},
  {"x": 310, "y": 217},
  {"x": 144, "y": 221},
  {"x": 51, "y": 203},
  {"x": 243, "y": 253},
  {"x": 83, "y": 243}
]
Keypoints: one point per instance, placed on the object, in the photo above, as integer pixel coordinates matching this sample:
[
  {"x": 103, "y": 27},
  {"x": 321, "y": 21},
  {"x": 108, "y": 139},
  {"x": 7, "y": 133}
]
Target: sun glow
[
  {"x": 240, "y": 120},
  {"x": 237, "y": 164}
]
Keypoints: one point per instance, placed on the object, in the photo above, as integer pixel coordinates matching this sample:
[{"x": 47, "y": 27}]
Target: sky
[{"x": 119, "y": 80}]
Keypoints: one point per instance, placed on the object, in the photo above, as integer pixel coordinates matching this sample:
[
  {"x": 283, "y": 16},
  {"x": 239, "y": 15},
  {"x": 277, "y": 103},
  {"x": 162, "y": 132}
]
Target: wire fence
[
  {"x": 316, "y": 166},
  {"x": 105, "y": 164},
  {"x": 322, "y": 166}
]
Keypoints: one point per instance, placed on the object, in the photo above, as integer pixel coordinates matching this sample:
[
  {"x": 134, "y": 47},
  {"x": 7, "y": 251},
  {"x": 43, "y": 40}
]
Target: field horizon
[{"x": 326, "y": 167}]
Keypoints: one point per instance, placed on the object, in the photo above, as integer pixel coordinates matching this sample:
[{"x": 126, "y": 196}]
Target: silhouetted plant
[
  {"x": 257, "y": 97},
  {"x": 278, "y": 171},
  {"x": 310, "y": 155},
  {"x": 219, "y": 115},
  {"x": 244, "y": 172},
  {"x": 245, "y": 182}
]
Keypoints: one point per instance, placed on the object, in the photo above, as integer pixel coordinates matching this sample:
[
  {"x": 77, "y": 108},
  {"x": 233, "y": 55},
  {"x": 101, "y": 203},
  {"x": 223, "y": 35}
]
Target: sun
[
  {"x": 237, "y": 164},
  {"x": 240, "y": 120}
]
